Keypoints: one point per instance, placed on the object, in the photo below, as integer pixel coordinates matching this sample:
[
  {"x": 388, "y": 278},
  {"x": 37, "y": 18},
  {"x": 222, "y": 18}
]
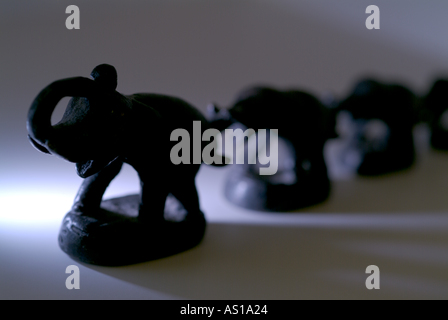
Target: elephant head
[
  {"x": 92, "y": 125},
  {"x": 219, "y": 118},
  {"x": 379, "y": 119}
]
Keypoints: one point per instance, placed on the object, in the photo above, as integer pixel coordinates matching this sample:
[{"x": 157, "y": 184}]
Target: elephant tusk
[{"x": 36, "y": 145}]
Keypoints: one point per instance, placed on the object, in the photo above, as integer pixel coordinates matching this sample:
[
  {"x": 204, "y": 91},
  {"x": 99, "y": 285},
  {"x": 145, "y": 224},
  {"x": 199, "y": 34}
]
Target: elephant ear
[{"x": 106, "y": 76}]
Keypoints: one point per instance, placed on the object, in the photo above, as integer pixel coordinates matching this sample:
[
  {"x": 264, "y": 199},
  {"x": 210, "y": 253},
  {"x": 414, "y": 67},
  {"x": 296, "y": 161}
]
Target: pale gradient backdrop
[{"x": 205, "y": 51}]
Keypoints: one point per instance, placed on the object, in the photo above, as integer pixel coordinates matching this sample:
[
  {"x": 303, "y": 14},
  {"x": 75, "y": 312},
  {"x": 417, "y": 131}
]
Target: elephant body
[
  {"x": 101, "y": 129},
  {"x": 382, "y": 117},
  {"x": 147, "y": 148},
  {"x": 304, "y": 124}
]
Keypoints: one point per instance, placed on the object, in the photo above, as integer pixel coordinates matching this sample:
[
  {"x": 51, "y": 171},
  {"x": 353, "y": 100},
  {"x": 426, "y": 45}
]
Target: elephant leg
[
  {"x": 92, "y": 189},
  {"x": 187, "y": 194},
  {"x": 152, "y": 200}
]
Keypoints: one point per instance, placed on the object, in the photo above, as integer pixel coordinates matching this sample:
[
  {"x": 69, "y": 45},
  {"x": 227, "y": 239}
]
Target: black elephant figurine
[
  {"x": 304, "y": 124},
  {"x": 436, "y": 110},
  {"x": 379, "y": 128},
  {"x": 102, "y": 129}
]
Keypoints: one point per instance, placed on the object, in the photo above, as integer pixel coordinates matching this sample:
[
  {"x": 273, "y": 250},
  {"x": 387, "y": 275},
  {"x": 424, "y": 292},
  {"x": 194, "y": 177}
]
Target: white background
[{"x": 207, "y": 51}]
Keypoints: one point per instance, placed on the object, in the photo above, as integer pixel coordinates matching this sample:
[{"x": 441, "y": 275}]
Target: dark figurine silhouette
[
  {"x": 304, "y": 125},
  {"x": 102, "y": 129},
  {"x": 381, "y": 139},
  {"x": 436, "y": 107}
]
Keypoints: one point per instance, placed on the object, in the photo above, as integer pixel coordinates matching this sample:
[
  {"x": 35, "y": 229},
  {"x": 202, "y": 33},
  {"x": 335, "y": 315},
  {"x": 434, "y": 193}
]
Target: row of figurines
[
  {"x": 101, "y": 129},
  {"x": 375, "y": 122}
]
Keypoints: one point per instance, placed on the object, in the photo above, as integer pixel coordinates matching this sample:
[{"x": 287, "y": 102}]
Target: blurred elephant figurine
[
  {"x": 436, "y": 109},
  {"x": 100, "y": 130},
  {"x": 379, "y": 127},
  {"x": 304, "y": 124}
]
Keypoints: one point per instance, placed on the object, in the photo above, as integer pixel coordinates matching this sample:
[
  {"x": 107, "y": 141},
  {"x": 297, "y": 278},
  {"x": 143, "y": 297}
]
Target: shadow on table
[
  {"x": 303, "y": 262},
  {"x": 423, "y": 188}
]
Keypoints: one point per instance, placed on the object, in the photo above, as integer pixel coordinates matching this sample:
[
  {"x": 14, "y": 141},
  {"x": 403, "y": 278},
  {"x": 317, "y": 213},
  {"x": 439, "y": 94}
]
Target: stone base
[
  {"x": 251, "y": 191},
  {"x": 113, "y": 236}
]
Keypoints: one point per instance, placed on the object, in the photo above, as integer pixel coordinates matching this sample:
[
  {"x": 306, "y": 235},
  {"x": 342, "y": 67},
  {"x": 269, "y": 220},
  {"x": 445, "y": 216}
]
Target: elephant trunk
[{"x": 40, "y": 130}]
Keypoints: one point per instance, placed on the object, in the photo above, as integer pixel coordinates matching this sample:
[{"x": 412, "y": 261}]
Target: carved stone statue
[
  {"x": 381, "y": 120},
  {"x": 100, "y": 130},
  {"x": 304, "y": 124}
]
